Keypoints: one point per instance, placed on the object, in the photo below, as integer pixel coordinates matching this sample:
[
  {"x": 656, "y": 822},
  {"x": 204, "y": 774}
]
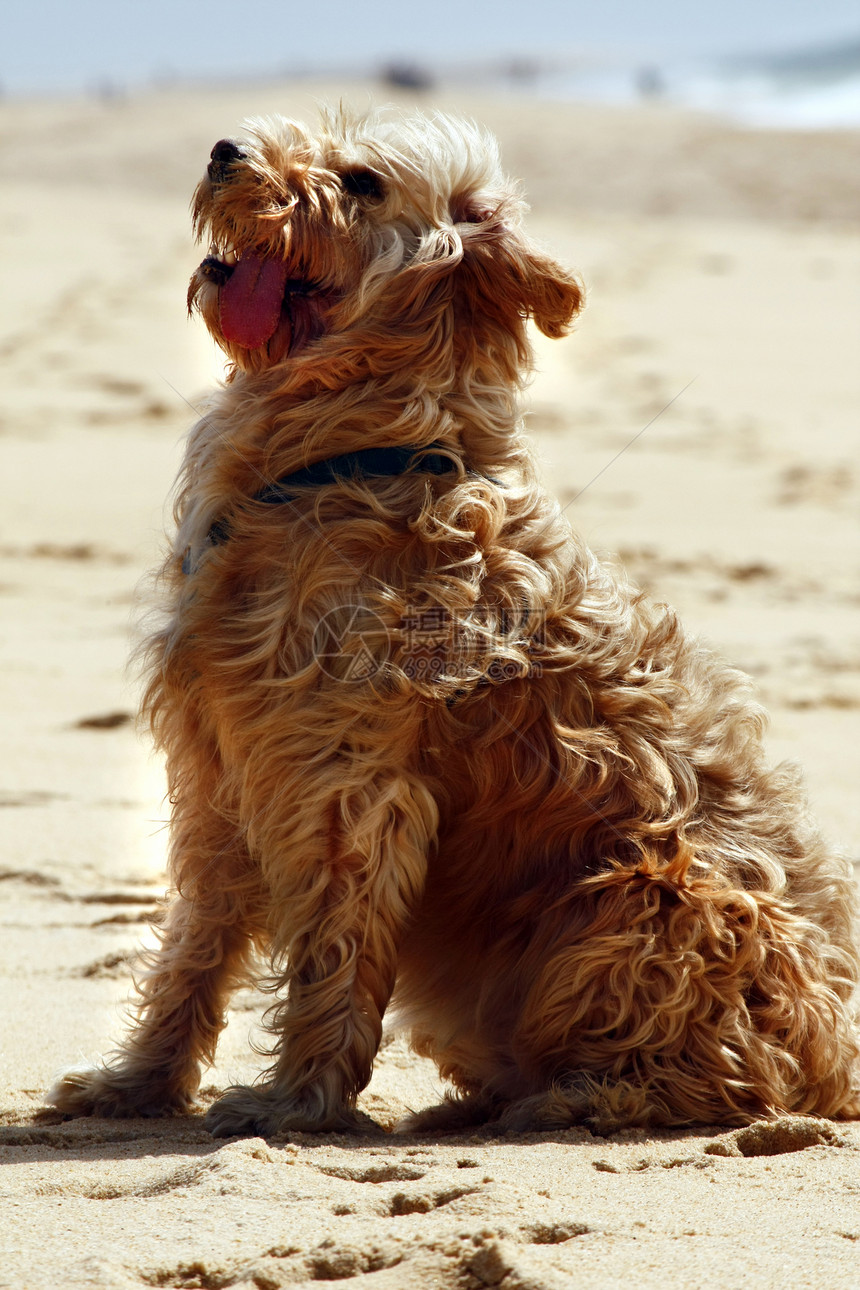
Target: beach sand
[{"x": 701, "y": 425}]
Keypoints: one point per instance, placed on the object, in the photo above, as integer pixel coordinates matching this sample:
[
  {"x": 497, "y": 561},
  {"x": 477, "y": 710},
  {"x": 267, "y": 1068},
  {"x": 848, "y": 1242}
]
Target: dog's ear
[{"x": 507, "y": 275}]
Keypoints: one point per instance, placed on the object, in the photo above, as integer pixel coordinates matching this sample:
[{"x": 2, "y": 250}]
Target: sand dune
[{"x": 702, "y": 424}]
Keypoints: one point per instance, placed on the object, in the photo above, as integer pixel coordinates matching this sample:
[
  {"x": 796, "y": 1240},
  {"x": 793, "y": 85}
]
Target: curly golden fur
[{"x": 422, "y": 746}]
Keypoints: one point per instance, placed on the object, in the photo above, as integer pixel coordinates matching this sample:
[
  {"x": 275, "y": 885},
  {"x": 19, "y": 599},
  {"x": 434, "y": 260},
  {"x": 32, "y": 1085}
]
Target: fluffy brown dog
[{"x": 420, "y": 742}]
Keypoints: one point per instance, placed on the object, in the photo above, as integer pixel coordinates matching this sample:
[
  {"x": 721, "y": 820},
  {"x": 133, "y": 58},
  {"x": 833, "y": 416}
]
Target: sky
[{"x": 73, "y": 45}]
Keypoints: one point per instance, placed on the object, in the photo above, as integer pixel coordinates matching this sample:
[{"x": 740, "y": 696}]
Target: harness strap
[
  {"x": 377, "y": 463},
  {"x": 364, "y": 463}
]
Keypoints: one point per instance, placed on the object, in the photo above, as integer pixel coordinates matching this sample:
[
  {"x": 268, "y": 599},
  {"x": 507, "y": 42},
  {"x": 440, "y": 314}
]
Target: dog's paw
[
  {"x": 115, "y": 1094},
  {"x": 262, "y": 1112},
  {"x": 457, "y": 1114}
]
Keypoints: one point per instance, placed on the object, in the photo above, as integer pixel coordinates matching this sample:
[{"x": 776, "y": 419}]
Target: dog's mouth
[{"x": 259, "y": 302}]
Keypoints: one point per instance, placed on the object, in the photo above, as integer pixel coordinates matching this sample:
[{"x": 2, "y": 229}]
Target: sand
[{"x": 702, "y": 424}]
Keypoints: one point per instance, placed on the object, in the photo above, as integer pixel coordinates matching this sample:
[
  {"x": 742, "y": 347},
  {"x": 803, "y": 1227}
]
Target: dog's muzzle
[{"x": 223, "y": 156}]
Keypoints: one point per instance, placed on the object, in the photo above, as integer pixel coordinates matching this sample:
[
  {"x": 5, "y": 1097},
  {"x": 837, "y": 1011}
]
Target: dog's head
[{"x": 380, "y": 244}]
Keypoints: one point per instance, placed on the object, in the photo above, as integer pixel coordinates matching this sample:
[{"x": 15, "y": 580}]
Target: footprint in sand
[{"x": 777, "y": 1137}]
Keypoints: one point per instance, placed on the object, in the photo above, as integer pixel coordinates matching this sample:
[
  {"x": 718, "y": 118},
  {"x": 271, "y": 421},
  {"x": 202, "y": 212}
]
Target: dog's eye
[
  {"x": 363, "y": 183},
  {"x": 468, "y": 210}
]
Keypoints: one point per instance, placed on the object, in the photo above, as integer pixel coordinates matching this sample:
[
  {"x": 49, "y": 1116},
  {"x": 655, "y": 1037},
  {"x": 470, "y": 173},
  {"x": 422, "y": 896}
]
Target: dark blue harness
[{"x": 365, "y": 463}]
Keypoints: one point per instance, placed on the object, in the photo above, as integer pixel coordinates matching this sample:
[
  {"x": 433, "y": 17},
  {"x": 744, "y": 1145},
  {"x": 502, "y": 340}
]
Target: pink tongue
[{"x": 251, "y": 300}]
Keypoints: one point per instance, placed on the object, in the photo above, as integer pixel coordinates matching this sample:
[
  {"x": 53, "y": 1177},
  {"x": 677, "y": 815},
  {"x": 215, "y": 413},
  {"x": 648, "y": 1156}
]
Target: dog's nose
[{"x": 225, "y": 152}]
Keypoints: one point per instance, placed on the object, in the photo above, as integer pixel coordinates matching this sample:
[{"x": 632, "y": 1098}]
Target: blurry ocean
[{"x": 806, "y": 90}]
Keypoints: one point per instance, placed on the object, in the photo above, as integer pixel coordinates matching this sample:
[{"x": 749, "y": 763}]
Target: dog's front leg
[
  {"x": 185, "y": 982},
  {"x": 339, "y": 912}
]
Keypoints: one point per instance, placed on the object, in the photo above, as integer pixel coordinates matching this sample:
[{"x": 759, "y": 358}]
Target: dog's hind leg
[
  {"x": 185, "y": 982},
  {"x": 683, "y": 1000},
  {"x": 341, "y": 905}
]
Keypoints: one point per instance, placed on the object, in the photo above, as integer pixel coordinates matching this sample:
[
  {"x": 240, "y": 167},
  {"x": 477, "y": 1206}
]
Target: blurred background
[{"x": 763, "y": 61}]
